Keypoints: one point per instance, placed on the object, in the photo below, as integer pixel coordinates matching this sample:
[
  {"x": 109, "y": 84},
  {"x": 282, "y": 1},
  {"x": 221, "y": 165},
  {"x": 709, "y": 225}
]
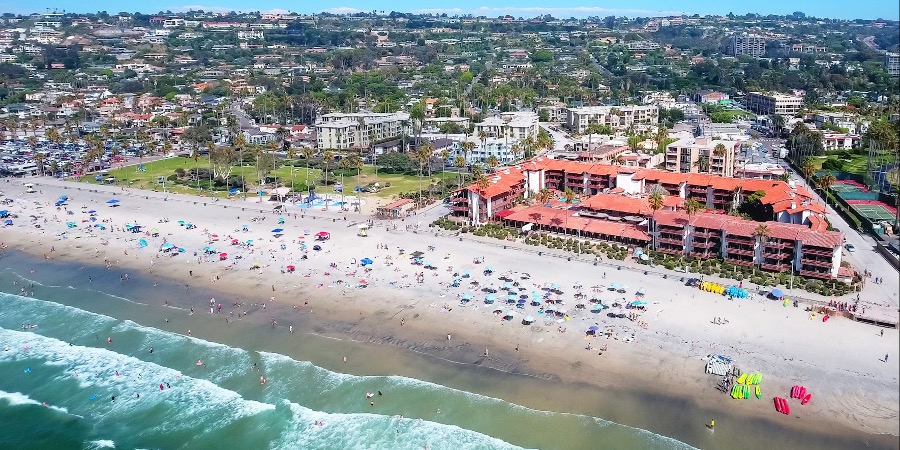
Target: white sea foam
[
  {"x": 375, "y": 432},
  {"x": 95, "y": 371},
  {"x": 18, "y": 398},
  {"x": 101, "y": 443}
]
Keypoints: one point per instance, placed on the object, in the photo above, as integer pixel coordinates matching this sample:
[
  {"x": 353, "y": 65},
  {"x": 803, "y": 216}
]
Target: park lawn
[
  {"x": 398, "y": 183},
  {"x": 856, "y": 164},
  {"x": 133, "y": 177}
]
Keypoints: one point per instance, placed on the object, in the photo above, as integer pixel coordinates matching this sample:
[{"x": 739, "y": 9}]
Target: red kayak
[
  {"x": 794, "y": 391},
  {"x": 802, "y": 393},
  {"x": 778, "y": 404},
  {"x": 785, "y": 407},
  {"x": 806, "y": 399}
]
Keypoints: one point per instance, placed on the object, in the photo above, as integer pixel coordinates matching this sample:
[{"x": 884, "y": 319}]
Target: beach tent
[
  {"x": 528, "y": 320},
  {"x": 366, "y": 261},
  {"x": 776, "y": 293},
  {"x": 4, "y": 214},
  {"x": 490, "y": 298},
  {"x": 323, "y": 236},
  {"x": 8, "y": 222}
]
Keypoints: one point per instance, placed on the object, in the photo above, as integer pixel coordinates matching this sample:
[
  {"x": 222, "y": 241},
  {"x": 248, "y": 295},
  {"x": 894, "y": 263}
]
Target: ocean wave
[
  {"x": 376, "y": 432},
  {"x": 101, "y": 443},
  {"x": 102, "y": 375},
  {"x": 18, "y": 398}
]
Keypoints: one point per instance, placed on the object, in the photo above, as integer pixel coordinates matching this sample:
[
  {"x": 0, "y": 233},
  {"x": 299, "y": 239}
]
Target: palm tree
[
  {"x": 777, "y": 123},
  {"x": 656, "y": 202},
  {"x": 482, "y": 135},
  {"x": 808, "y": 169},
  {"x": 39, "y": 158},
  {"x": 544, "y": 195},
  {"x": 702, "y": 164},
  {"x": 825, "y": 182},
  {"x": 662, "y": 133},
  {"x": 692, "y": 207},
  {"x": 307, "y": 153},
  {"x": 423, "y": 156},
  {"x": 761, "y": 233},
  {"x": 492, "y": 162},
  {"x": 467, "y": 147},
  {"x": 459, "y": 162}
]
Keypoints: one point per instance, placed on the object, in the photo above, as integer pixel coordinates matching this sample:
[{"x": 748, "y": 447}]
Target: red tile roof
[
  {"x": 625, "y": 205},
  {"x": 565, "y": 219}
]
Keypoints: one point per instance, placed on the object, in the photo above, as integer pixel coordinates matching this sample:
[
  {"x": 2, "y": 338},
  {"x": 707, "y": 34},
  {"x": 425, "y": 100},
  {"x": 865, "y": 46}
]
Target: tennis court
[{"x": 874, "y": 212}]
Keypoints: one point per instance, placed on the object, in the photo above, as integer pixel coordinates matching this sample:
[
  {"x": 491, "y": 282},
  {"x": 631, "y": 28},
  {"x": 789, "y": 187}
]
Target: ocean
[{"x": 64, "y": 385}]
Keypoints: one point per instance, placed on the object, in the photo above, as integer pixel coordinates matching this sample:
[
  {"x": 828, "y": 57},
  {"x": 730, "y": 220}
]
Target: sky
[{"x": 859, "y": 9}]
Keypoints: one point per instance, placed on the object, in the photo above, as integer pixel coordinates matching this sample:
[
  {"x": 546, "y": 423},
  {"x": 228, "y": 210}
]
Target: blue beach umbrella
[
  {"x": 467, "y": 297},
  {"x": 112, "y": 202},
  {"x": 593, "y": 328},
  {"x": 366, "y": 261},
  {"x": 777, "y": 293},
  {"x": 167, "y": 246},
  {"x": 93, "y": 211},
  {"x": 8, "y": 222},
  {"x": 142, "y": 242},
  {"x": 277, "y": 230},
  {"x": 490, "y": 298},
  {"x": 511, "y": 298}
]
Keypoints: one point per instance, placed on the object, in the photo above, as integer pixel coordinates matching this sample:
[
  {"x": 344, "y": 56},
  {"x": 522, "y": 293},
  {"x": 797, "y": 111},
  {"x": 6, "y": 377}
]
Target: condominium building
[
  {"x": 512, "y": 126},
  {"x": 342, "y": 131},
  {"x": 614, "y": 206},
  {"x": 700, "y": 155},
  {"x": 747, "y": 44},
  {"x": 774, "y": 103},
  {"x": 616, "y": 117},
  {"x": 892, "y": 63}
]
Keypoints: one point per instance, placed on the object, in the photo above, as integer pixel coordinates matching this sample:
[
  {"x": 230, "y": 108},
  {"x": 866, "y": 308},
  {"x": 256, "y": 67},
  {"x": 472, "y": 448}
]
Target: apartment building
[
  {"x": 840, "y": 141},
  {"x": 702, "y": 155},
  {"x": 617, "y": 117},
  {"x": 774, "y": 103},
  {"x": 358, "y": 130},
  {"x": 747, "y": 44},
  {"x": 512, "y": 126},
  {"x": 892, "y": 63}
]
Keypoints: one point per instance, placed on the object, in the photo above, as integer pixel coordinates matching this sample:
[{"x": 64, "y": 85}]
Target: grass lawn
[{"x": 147, "y": 179}]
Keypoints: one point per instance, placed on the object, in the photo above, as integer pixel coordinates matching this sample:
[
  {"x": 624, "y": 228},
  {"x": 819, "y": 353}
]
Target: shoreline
[
  {"x": 465, "y": 357},
  {"x": 668, "y": 360}
]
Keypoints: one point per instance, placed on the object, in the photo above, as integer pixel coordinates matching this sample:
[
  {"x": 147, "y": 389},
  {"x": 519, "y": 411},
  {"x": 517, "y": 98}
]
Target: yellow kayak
[
  {"x": 758, "y": 392},
  {"x": 742, "y": 378}
]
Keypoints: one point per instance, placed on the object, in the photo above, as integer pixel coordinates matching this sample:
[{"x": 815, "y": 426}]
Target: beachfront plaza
[{"x": 611, "y": 204}]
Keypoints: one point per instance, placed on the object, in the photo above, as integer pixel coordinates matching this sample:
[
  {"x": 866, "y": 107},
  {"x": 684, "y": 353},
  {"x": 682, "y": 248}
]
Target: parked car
[{"x": 850, "y": 248}]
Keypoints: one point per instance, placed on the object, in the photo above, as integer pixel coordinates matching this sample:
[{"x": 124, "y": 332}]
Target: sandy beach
[{"x": 387, "y": 303}]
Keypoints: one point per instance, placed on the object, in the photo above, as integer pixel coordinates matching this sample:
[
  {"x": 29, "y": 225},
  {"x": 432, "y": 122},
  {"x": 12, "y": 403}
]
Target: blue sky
[{"x": 859, "y": 9}]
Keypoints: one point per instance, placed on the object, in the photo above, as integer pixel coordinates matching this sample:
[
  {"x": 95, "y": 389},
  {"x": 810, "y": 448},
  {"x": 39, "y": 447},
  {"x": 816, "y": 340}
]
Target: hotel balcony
[
  {"x": 671, "y": 241},
  {"x": 817, "y": 252},
  {"x": 739, "y": 251},
  {"x": 704, "y": 244},
  {"x": 704, "y": 234},
  {"x": 740, "y": 261},
  {"x": 815, "y": 262},
  {"x": 775, "y": 267},
  {"x": 701, "y": 189},
  {"x": 815, "y": 274},
  {"x": 735, "y": 239},
  {"x": 459, "y": 208},
  {"x": 779, "y": 245},
  {"x": 780, "y": 256},
  {"x": 670, "y": 250}
]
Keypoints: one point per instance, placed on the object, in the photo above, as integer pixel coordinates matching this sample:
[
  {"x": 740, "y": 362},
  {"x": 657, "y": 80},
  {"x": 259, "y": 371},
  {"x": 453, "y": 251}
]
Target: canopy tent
[{"x": 777, "y": 293}]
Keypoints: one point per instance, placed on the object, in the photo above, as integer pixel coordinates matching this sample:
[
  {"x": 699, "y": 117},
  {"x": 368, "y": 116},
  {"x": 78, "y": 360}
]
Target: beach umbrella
[
  {"x": 593, "y": 328},
  {"x": 366, "y": 261},
  {"x": 223, "y": 255},
  {"x": 167, "y": 246},
  {"x": 4, "y": 213},
  {"x": 777, "y": 293},
  {"x": 59, "y": 202},
  {"x": 277, "y": 230},
  {"x": 490, "y": 298},
  {"x": 112, "y": 202},
  {"x": 510, "y": 314},
  {"x": 180, "y": 223},
  {"x": 529, "y": 319},
  {"x": 507, "y": 285},
  {"x": 8, "y": 222},
  {"x": 142, "y": 242},
  {"x": 488, "y": 269},
  {"x": 467, "y": 297},
  {"x": 511, "y": 298},
  {"x": 93, "y": 211}
]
